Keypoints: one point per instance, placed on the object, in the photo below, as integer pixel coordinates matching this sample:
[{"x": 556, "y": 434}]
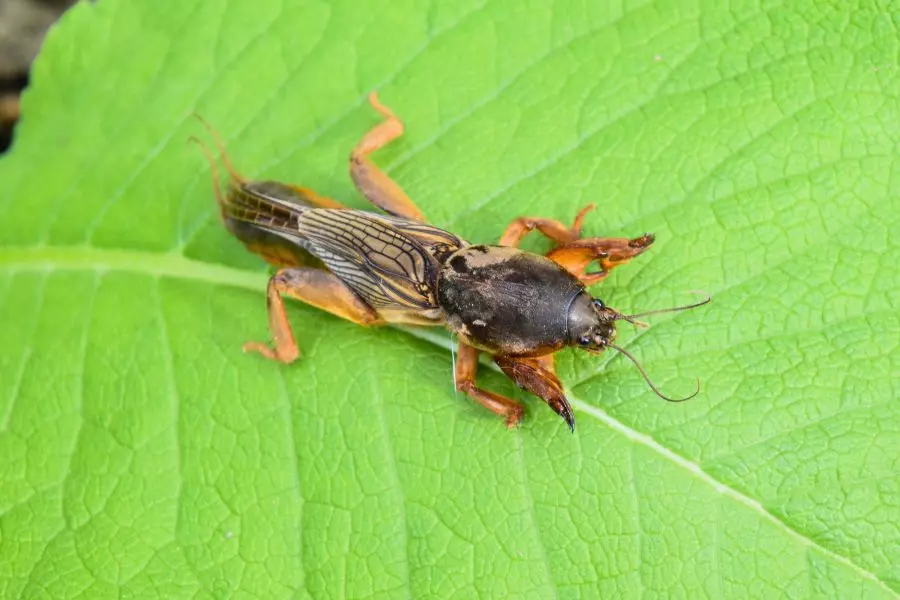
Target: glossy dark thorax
[{"x": 502, "y": 299}]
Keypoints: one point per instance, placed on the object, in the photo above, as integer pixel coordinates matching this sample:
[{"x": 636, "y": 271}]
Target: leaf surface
[{"x": 144, "y": 455}]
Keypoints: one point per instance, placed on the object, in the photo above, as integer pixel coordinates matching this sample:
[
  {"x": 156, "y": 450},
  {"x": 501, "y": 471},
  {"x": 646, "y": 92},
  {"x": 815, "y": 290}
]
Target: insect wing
[
  {"x": 269, "y": 212},
  {"x": 438, "y": 242},
  {"x": 373, "y": 256}
]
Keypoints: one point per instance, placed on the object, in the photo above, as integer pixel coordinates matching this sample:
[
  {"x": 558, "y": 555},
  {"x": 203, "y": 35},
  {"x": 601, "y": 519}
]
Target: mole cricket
[{"x": 373, "y": 268}]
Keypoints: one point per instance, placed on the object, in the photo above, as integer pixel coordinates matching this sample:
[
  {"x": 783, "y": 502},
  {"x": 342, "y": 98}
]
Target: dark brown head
[{"x": 591, "y": 326}]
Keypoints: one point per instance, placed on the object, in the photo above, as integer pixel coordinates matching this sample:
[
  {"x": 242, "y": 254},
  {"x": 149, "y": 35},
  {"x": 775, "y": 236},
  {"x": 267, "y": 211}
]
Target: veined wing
[
  {"x": 438, "y": 242},
  {"x": 270, "y": 205},
  {"x": 380, "y": 257}
]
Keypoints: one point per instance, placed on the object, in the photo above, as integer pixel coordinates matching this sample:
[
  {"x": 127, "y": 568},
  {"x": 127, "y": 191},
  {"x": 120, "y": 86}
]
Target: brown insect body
[
  {"x": 498, "y": 299},
  {"x": 373, "y": 269},
  {"x": 507, "y": 301},
  {"x": 249, "y": 204}
]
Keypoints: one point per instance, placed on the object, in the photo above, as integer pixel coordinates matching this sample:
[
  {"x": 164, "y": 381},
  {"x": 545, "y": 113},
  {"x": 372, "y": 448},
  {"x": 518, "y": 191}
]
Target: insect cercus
[{"x": 373, "y": 268}]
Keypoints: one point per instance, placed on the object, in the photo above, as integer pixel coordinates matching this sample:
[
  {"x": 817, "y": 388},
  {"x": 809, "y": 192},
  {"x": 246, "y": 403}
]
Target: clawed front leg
[
  {"x": 608, "y": 253},
  {"x": 535, "y": 375},
  {"x": 554, "y": 230},
  {"x": 538, "y": 376},
  {"x": 575, "y": 253}
]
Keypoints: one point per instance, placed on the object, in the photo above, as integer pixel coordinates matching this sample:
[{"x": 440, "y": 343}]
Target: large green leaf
[{"x": 144, "y": 455}]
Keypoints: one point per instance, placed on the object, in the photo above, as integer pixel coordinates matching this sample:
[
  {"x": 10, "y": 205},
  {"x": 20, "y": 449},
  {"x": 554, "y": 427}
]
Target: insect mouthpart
[{"x": 590, "y": 324}]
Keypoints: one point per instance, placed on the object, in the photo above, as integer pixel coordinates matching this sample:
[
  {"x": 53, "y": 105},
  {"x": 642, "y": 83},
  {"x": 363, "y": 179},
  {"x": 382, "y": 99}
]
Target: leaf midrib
[
  {"x": 158, "y": 264},
  {"x": 176, "y": 265}
]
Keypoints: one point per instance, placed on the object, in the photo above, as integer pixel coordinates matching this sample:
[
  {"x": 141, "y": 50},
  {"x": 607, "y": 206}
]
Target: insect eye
[
  {"x": 584, "y": 340},
  {"x": 598, "y": 303}
]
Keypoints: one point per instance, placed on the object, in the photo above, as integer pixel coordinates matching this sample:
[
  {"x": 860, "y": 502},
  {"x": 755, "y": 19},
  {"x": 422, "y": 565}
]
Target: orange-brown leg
[
  {"x": 316, "y": 199},
  {"x": 313, "y": 286},
  {"x": 554, "y": 230},
  {"x": 608, "y": 253},
  {"x": 574, "y": 253},
  {"x": 466, "y": 369},
  {"x": 372, "y": 182},
  {"x": 538, "y": 376}
]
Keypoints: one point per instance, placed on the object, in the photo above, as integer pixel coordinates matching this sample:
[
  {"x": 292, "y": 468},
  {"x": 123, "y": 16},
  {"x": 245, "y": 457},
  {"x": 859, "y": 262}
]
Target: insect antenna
[
  {"x": 647, "y": 377},
  {"x": 632, "y": 320},
  {"x": 664, "y": 310}
]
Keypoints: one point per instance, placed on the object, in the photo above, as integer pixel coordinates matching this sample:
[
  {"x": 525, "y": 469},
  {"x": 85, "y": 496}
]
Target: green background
[{"x": 144, "y": 455}]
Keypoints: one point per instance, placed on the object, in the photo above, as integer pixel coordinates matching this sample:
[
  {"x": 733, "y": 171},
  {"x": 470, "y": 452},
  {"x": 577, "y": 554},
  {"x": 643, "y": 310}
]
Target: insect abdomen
[{"x": 261, "y": 214}]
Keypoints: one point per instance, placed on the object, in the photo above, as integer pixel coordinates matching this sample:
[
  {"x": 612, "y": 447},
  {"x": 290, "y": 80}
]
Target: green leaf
[{"x": 143, "y": 455}]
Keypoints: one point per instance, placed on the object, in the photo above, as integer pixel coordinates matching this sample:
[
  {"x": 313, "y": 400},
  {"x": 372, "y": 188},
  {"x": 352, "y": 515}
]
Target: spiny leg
[
  {"x": 313, "y": 286},
  {"x": 574, "y": 253},
  {"x": 372, "y": 182},
  {"x": 554, "y": 230},
  {"x": 538, "y": 376},
  {"x": 466, "y": 369},
  {"x": 608, "y": 253}
]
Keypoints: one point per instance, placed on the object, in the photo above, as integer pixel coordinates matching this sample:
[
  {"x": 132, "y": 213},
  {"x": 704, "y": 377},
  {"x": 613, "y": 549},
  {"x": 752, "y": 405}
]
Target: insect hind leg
[
  {"x": 371, "y": 181},
  {"x": 318, "y": 288}
]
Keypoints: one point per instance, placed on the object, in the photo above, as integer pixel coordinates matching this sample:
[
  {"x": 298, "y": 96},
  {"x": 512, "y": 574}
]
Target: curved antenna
[
  {"x": 650, "y": 383},
  {"x": 666, "y": 310}
]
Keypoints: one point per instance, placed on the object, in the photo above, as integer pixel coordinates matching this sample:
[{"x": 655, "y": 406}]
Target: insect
[{"x": 393, "y": 267}]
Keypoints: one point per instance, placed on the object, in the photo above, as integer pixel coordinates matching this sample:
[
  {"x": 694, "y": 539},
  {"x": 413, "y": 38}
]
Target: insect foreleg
[
  {"x": 575, "y": 253},
  {"x": 556, "y": 231},
  {"x": 608, "y": 253},
  {"x": 538, "y": 377}
]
